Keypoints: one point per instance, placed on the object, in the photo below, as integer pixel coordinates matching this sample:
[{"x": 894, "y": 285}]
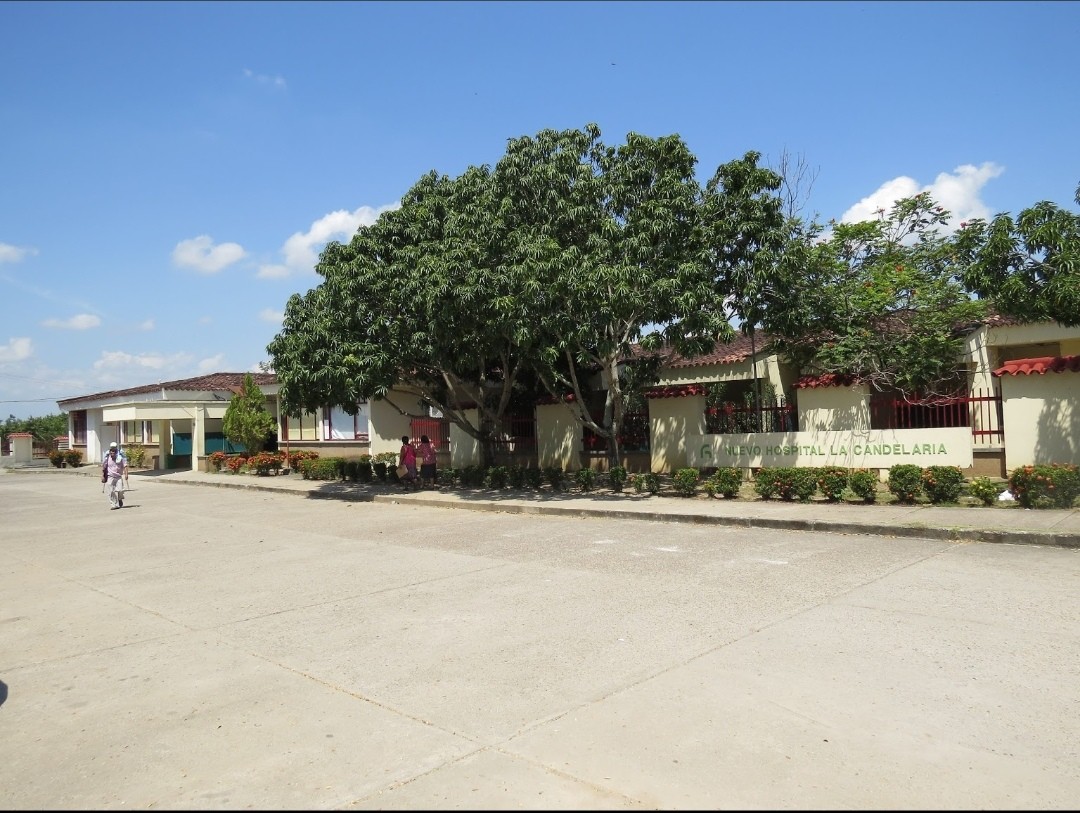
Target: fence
[
  {"x": 437, "y": 430},
  {"x": 981, "y": 411},
  {"x": 633, "y": 435},
  {"x": 729, "y": 418}
]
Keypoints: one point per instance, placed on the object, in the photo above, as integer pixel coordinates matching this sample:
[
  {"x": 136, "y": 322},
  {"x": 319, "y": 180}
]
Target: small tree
[{"x": 247, "y": 420}]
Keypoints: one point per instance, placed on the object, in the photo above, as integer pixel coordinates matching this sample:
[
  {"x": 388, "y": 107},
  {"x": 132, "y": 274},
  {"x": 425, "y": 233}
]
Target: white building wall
[{"x": 1042, "y": 418}]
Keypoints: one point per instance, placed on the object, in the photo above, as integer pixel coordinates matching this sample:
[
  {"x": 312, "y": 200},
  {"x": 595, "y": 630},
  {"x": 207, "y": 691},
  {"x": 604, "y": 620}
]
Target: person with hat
[{"x": 112, "y": 470}]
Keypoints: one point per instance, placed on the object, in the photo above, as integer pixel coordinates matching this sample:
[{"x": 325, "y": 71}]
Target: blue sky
[{"x": 170, "y": 171}]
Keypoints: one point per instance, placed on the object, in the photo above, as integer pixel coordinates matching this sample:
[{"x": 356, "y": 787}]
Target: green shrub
[
  {"x": 863, "y": 484},
  {"x": 766, "y": 482},
  {"x": 984, "y": 490},
  {"x": 555, "y": 477},
  {"x": 496, "y": 477},
  {"x": 135, "y": 454},
  {"x": 646, "y": 481},
  {"x": 726, "y": 480},
  {"x": 73, "y": 457},
  {"x": 473, "y": 476},
  {"x": 787, "y": 483},
  {"x": 685, "y": 482},
  {"x": 617, "y": 478},
  {"x": 515, "y": 477},
  {"x": 265, "y": 462},
  {"x": 586, "y": 479},
  {"x": 534, "y": 478},
  {"x": 364, "y": 472},
  {"x": 905, "y": 481},
  {"x": 833, "y": 482},
  {"x": 450, "y": 476},
  {"x": 320, "y": 468},
  {"x": 56, "y": 457},
  {"x": 1046, "y": 486},
  {"x": 942, "y": 483}
]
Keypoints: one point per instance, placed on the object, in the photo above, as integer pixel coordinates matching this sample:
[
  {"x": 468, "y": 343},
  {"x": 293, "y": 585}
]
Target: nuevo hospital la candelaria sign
[{"x": 869, "y": 449}]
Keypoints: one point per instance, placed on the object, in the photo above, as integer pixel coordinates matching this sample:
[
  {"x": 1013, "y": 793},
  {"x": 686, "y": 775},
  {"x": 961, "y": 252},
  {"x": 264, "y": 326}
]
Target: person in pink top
[
  {"x": 427, "y": 463},
  {"x": 407, "y": 458}
]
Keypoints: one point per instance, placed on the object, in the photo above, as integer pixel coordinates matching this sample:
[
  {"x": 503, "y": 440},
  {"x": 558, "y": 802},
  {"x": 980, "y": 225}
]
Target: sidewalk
[{"x": 1015, "y": 525}]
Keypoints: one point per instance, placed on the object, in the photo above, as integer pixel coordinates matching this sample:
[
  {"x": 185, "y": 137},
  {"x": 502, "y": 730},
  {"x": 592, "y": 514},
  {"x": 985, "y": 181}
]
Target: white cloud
[
  {"x": 147, "y": 324},
  {"x": 81, "y": 321},
  {"x": 16, "y": 350},
  {"x": 301, "y": 250},
  {"x": 201, "y": 254},
  {"x": 277, "y": 81},
  {"x": 119, "y": 360},
  {"x": 957, "y": 192},
  {"x": 271, "y": 315},
  {"x": 13, "y": 254},
  {"x": 212, "y": 364}
]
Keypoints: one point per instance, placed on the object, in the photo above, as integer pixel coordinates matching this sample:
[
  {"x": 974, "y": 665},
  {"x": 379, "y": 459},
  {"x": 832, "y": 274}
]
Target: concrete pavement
[{"x": 231, "y": 648}]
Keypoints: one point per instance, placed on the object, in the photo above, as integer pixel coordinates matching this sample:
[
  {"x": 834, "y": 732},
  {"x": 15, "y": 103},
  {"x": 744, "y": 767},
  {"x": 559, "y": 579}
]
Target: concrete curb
[{"x": 819, "y": 526}]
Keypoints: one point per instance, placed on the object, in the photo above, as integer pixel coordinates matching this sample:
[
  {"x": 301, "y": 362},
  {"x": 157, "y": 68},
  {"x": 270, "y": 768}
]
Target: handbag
[{"x": 402, "y": 470}]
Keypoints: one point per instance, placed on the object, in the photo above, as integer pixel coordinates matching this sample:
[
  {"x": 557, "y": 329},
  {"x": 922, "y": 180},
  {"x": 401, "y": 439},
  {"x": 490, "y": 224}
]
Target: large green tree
[
  {"x": 880, "y": 300},
  {"x": 606, "y": 241},
  {"x": 247, "y": 420},
  {"x": 423, "y": 300},
  {"x": 1028, "y": 267}
]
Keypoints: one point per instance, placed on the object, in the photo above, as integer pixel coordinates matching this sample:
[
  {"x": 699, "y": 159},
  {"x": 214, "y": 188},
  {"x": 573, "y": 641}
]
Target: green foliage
[
  {"x": 942, "y": 483},
  {"x": 515, "y": 477},
  {"x": 787, "y": 483},
  {"x": 864, "y": 484},
  {"x": 364, "y": 471},
  {"x": 726, "y": 481},
  {"x": 320, "y": 468},
  {"x": 247, "y": 421},
  {"x": 617, "y": 477},
  {"x": 646, "y": 481},
  {"x": 833, "y": 482},
  {"x": 879, "y": 300},
  {"x": 1030, "y": 267},
  {"x": 905, "y": 482},
  {"x": 586, "y": 479},
  {"x": 73, "y": 457},
  {"x": 450, "y": 476},
  {"x": 496, "y": 477},
  {"x": 984, "y": 490},
  {"x": 555, "y": 477},
  {"x": 602, "y": 241},
  {"x": 45, "y": 429},
  {"x": 685, "y": 482},
  {"x": 136, "y": 455},
  {"x": 56, "y": 457},
  {"x": 1048, "y": 486},
  {"x": 534, "y": 478},
  {"x": 295, "y": 458},
  {"x": 265, "y": 462}
]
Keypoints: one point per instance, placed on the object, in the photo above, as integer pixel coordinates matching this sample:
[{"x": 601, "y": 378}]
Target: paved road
[{"x": 214, "y": 648}]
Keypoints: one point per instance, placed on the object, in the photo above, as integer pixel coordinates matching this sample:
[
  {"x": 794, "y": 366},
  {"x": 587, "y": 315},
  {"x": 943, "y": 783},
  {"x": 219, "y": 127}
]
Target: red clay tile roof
[
  {"x": 1042, "y": 365},
  {"x": 676, "y": 391},
  {"x": 219, "y": 382},
  {"x": 826, "y": 380},
  {"x": 733, "y": 352}
]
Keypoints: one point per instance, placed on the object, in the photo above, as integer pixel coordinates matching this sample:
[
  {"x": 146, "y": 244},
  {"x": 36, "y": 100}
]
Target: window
[
  {"x": 340, "y": 425},
  {"x": 306, "y": 427},
  {"x": 78, "y": 425}
]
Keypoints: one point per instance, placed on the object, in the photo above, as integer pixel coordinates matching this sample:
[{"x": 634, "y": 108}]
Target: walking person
[
  {"x": 112, "y": 472},
  {"x": 407, "y": 458},
  {"x": 427, "y": 463}
]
